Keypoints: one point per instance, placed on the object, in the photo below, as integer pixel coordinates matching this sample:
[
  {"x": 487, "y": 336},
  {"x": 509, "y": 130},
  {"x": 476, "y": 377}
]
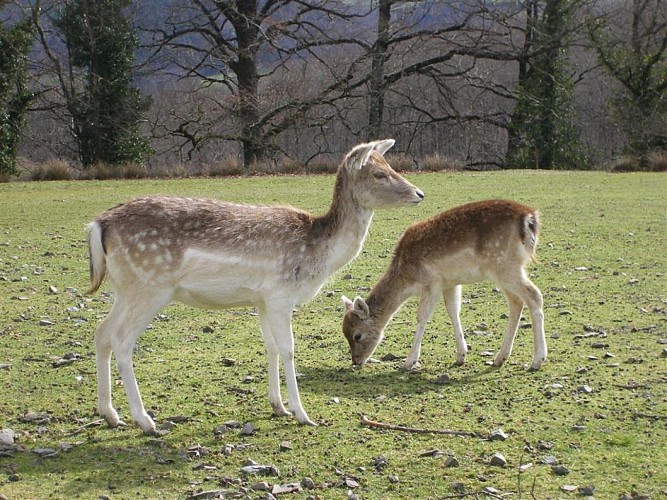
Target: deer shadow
[{"x": 389, "y": 381}]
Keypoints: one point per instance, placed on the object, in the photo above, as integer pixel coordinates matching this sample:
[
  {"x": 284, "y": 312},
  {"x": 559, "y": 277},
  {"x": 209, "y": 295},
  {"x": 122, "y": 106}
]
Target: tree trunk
[
  {"x": 380, "y": 56},
  {"x": 245, "y": 67}
]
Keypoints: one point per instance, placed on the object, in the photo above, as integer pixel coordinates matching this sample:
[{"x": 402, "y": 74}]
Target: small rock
[
  {"x": 334, "y": 401},
  {"x": 550, "y": 460},
  {"x": 498, "y": 460},
  {"x": 350, "y": 483},
  {"x": 459, "y": 487},
  {"x": 249, "y": 379},
  {"x": 227, "y": 362},
  {"x": 260, "y": 470},
  {"x": 7, "y": 437},
  {"x": 379, "y": 463},
  {"x": 248, "y": 429},
  {"x": 261, "y": 486},
  {"x": 393, "y": 479},
  {"x": 307, "y": 483},
  {"x": 7, "y": 366},
  {"x": 486, "y": 353},
  {"x": 568, "y": 488},
  {"x": 285, "y": 446},
  {"x": 435, "y": 453},
  {"x": 167, "y": 425},
  {"x": 232, "y": 424},
  {"x": 586, "y": 490},
  {"x": 663, "y": 354},
  {"x": 389, "y": 357},
  {"x": 545, "y": 445},
  {"x": 219, "y": 430},
  {"x": 498, "y": 435},
  {"x": 451, "y": 462},
  {"x": 45, "y": 322},
  {"x": 581, "y": 369},
  {"x": 53, "y": 290},
  {"x": 208, "y": 329},
  {"x": 585, "y": 389},
  {"x": 491, "y": 490},
  {"x": 560, "y": 470},
  {"x": 443, "y": 379},
  {"x": 279, "y": 489}
]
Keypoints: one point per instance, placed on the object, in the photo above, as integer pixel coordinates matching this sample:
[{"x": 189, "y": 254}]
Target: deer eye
[
  {"x": 380, "y": 175},
  {"x": 357, "y": 337}
]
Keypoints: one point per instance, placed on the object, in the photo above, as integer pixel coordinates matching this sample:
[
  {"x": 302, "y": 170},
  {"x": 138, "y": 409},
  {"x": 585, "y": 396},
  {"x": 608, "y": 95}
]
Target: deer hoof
[{"x": 411, "y": 366}]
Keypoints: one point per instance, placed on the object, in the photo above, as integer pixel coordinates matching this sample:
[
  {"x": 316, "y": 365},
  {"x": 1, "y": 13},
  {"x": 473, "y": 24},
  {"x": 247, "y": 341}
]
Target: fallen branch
[
  {"x": 381, "y": 425},
  {"x": 79, "y": 430}
]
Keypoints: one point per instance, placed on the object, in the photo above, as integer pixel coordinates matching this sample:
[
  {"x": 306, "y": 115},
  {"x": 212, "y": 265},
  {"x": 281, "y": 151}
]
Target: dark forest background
[{"x": 195, "y": 85}]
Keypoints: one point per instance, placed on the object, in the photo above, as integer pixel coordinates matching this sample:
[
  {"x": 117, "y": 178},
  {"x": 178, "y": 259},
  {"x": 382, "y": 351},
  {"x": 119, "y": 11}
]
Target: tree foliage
[
  {"x": 15, "y": 42},
  {"x": 637, "y": 59},
  {"x": 252, "y": 81},
  {"x": 107, "y": 112},
  {"x": 541, "y": 131}
]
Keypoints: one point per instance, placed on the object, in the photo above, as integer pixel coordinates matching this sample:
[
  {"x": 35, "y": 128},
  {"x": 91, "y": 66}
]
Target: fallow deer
[
  {"x": 487, "y": 240},
  {"x": 212, "y": 254}
]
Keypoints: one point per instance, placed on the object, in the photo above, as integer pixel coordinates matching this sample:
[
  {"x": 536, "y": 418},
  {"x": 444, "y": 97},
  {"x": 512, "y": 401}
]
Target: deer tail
[{"x": 97, "y": 257}]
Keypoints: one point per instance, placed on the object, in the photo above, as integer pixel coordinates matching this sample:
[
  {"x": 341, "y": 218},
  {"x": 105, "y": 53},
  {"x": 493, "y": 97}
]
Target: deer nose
[{"x": 420, "y": 194}]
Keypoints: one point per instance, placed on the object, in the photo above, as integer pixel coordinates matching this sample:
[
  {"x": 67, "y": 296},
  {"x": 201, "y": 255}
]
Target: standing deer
[
  {"x": 487, "y": 240},
  {"x": 212, "y": 254}
]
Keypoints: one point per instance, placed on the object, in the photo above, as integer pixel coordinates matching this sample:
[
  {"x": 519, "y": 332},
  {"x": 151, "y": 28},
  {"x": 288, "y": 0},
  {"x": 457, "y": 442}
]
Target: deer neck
[
  {"x": 342, "y": 230},
  {"x": 388, "y": 295}
]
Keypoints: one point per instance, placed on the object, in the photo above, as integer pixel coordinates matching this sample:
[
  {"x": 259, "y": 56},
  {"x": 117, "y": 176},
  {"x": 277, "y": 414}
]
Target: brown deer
[
  {"x": 487, "y": 240},
  {"x": 212, "y": 254}
]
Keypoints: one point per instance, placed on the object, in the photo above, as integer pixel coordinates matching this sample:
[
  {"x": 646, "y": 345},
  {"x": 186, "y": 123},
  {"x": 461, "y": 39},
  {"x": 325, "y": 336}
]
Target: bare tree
[
  {"x": 631, "y": 44},
  {"x": 230, "y": 49}
]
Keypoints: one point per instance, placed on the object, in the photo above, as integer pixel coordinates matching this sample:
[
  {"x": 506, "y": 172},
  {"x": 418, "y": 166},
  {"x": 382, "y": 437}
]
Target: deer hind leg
[
  {"x": 427, "y": 303},
  {"x": 527, "y": 293},
  {"x": 275, "y": 398},
  {"x": 452, "y": 298},
  {"x": 515, "y": 306},
  {"x": 533, "y": 299},
  {"x": 103, "y": 334},
  {"x": 118, "y": 334},
  {"x": 278, "y": 322}
]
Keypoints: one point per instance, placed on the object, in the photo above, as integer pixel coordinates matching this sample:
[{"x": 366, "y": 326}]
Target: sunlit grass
[{"x": 601, "y": 267}]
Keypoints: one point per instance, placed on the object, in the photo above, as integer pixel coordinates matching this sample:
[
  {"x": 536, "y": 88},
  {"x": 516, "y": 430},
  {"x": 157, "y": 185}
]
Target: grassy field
[{"x": 597, "y": 408}]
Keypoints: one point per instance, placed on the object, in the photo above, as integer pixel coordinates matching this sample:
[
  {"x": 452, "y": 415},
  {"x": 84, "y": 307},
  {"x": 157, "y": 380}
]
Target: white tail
[
  {"x": 212, "y": 254},
  {"x": 488, "y": 240}
]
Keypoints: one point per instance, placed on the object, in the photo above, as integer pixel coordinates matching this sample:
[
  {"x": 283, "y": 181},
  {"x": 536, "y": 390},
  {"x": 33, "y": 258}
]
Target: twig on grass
[
  {"x": 382, "y": 425},
  {"x": 79, "y": 430}
]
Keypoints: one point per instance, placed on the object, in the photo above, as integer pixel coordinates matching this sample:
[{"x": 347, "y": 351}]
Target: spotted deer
[
  {"x": 213, "y": 254},
  {"x": 487, "y": 240}
]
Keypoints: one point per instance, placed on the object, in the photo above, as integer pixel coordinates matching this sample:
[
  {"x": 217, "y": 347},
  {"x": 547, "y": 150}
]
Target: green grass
[{"x": 602, "y": 269}]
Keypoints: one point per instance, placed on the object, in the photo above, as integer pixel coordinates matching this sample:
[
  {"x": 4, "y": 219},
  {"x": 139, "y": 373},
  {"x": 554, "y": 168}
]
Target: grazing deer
[
  {"x": 488, "y": 240},
  {"x": 211, "y": 254}
]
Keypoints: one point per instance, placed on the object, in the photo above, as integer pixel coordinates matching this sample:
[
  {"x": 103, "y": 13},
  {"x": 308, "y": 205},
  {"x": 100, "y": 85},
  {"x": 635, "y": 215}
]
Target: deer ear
[
  {"x": 383, "y": 146},
  {"x": 360, "y": 308},
  {"x": 349, "y": 305},
  {"x": 358, "y": 156}
]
